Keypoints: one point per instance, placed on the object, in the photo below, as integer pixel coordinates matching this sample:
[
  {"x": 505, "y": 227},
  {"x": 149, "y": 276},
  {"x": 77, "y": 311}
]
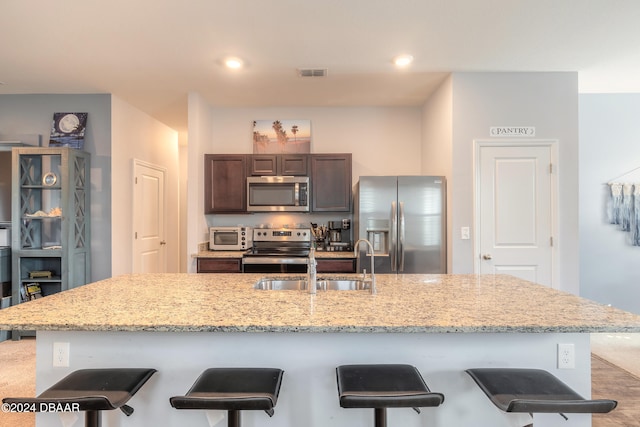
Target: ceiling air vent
[{"x": 312, "y": 72}]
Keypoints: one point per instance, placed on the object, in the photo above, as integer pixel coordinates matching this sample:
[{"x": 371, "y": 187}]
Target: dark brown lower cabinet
[
  {"x": 347, "y": 265},
  {"x": 219, "y": 265}
]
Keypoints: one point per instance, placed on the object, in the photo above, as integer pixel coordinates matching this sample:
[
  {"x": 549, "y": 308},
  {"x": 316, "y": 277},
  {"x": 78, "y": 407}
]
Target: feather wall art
[{"x": 623, "y": 206}]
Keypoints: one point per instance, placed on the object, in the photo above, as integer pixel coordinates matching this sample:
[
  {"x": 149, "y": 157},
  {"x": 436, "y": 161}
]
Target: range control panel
[{"x": 281, "y": 235}]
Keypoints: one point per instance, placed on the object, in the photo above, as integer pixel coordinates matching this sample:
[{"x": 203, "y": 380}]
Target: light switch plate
[{"x": 465, "y": 233}]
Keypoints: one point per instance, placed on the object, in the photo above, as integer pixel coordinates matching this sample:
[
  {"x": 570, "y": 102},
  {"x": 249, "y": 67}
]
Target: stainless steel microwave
[
  {"x": 230, "y": 238},
  {"x": 278, "y": 194}
]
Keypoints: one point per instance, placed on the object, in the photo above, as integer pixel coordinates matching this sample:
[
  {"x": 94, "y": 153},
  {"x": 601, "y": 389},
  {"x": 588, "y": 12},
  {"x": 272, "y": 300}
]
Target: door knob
[
  {"x": 486, "y": 257},
  {"x": 163, "y": 242}
]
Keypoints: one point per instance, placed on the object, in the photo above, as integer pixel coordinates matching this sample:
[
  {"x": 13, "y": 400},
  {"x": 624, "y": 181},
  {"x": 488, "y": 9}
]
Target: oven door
[{"x": 265, "y": 264}]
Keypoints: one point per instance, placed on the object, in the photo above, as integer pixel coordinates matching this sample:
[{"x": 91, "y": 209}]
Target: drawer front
[
  {"x": 336, "y": 265},
  {"x": 222, "y": 265}
]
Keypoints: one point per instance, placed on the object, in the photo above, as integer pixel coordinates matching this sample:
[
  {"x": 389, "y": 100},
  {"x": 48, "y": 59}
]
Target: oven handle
[{"x": 273, "y": 260}]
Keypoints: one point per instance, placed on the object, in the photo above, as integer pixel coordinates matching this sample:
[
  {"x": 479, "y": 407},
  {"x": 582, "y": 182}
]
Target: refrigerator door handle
[
  {"x": 394, "y": 236},
  {"x": 401, "y": 239}
]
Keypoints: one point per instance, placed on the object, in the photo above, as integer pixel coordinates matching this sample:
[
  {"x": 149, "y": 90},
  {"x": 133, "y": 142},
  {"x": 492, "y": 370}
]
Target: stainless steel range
[{"x": 278, "y": 250}]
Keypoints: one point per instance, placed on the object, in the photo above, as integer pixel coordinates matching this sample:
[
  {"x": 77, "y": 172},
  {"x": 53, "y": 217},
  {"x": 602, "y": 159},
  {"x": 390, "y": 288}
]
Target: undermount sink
[
  {"x": 342, "y": 285},
  {"x": 268, "y": 284},
  {"x": 280, "y": 285}
]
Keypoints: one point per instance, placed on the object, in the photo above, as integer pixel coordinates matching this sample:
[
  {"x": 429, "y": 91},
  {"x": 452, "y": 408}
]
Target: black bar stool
[
  {"x": 534, "y": 391},
  {"x": 91, "y": 391},
  {"x": 233, "y": 390},
  {"x": 384, "y": 386}
]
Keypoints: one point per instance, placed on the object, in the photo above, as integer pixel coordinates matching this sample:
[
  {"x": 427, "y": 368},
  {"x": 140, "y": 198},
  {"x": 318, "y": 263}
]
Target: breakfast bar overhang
[{"x": 181, "y": 324}]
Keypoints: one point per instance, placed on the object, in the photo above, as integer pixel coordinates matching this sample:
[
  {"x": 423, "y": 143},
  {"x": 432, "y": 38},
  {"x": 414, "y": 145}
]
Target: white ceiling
[{"x": 152, "y": 53}]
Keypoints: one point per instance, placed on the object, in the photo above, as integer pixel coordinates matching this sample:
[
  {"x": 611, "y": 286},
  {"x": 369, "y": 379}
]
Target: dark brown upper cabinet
[
  {"x": 279, "y": 164},
  {"x": 331, "y": 183},
  {"x": 225, "y": 183}
]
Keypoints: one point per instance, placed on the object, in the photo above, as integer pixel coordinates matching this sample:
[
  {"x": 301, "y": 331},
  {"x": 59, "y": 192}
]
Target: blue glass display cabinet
[{"x": 51, "y": 239}]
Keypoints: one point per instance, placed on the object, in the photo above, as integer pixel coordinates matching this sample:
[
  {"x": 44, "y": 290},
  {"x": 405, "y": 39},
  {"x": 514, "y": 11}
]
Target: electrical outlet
[
  {"x": 566, "y": 356},
  {"x": 61, "y": 354}
]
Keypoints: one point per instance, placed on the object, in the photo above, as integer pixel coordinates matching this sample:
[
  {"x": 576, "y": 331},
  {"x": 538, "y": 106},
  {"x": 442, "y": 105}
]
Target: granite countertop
[{"x": 228, "y": 303}]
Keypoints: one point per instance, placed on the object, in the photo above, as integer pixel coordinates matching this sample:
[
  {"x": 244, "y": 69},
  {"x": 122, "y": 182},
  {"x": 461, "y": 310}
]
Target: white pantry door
[
  {"x": 149, "y": 246},
  {"x": 515, "y": 188}
]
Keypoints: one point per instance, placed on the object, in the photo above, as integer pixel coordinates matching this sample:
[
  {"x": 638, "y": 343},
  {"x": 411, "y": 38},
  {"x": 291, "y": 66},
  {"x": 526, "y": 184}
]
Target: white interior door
[
  {"x": 515, "y": 212},
  {"x": 149, "y": 246}
]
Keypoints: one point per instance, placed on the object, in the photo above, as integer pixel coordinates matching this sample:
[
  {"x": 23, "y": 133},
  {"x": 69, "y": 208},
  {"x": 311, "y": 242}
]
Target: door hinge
[
  {"x": 551, "y": 240},
  {"x": 136, "y": 180},
  {"x": 550, "y": 167},
  {"x": 135, "y": 235}
]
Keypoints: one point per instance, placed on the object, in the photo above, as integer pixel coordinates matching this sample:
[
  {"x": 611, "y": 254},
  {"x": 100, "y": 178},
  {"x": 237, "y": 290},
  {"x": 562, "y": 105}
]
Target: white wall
[
  {"x": 609, "y": 148},
  {"x": 389, "y": 141},
  {"x": 383, "y": 141},
  {"x": 184, "y": 167},
  {"x": 548, "y": 101},
  {"x": 200, "y": 136},
  {"x": 32, "y": 114},
  {"x": 136, "y": 135},
  {"x": 437, "y": 140}
]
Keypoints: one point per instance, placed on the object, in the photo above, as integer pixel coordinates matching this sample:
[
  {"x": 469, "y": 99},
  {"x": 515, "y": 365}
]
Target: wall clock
[{"x": 49, "y": 179}]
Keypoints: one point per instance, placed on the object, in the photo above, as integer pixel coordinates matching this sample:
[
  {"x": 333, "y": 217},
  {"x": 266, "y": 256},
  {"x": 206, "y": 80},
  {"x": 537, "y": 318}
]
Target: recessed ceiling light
[
  {"x": 233, "y": 63},
  {"x": 403, "y": 60}
]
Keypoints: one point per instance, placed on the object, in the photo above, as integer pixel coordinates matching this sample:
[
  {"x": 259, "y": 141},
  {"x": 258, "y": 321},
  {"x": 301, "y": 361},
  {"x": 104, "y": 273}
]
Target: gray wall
[
  {"x": 548, "y": 101},
  {"x": 609, "y": 148},
  {"x": 32, "y": 114}
]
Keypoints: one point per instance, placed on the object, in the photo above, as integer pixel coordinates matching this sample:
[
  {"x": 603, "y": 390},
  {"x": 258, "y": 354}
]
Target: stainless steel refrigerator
[{"x": 404, "y": 218}]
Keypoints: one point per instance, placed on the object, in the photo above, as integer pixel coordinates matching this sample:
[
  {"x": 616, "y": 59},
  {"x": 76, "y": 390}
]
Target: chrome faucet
[
  {"x": 311, "y": 271},
  {"x": 373, "y": 274}
]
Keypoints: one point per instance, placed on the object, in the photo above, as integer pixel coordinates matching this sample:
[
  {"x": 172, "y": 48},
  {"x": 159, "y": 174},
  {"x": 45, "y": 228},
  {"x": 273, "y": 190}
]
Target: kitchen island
[{"x": 181, "y": 324}]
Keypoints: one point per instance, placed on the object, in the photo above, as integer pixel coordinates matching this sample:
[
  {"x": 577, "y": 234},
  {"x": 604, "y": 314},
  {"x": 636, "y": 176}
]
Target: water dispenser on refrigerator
[{"x": 378, "y": 235}]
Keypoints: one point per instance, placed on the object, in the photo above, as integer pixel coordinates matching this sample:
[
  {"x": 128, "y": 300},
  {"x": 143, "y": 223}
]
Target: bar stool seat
[
  {"x": 381, "y": 386},
  {"x": 92, "y": 391},
  {"x": 233, "y": 390},
  {"x": 534, "y": 391}
]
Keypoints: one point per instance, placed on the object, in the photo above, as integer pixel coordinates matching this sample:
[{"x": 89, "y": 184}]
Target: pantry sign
[{"x": 513, "y": 131}]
